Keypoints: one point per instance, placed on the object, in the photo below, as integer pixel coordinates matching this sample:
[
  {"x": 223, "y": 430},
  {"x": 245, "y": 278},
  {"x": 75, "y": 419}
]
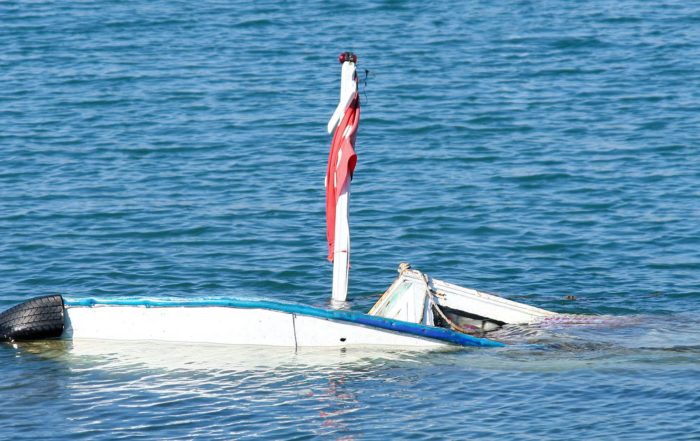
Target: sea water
[{"x": 547, "y": 151}]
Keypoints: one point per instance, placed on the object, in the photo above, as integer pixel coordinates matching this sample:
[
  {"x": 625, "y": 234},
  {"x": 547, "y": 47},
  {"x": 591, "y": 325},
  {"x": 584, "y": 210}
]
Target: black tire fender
[{"x": 35, "y": 319}]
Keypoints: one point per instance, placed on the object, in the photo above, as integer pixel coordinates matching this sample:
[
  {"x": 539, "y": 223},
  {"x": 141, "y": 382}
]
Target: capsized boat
[{"x": 416, "y": 310}]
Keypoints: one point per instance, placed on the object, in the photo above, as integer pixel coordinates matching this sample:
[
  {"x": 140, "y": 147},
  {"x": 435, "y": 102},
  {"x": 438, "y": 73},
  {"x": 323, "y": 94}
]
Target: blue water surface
[{"x": 178, "y": 149}]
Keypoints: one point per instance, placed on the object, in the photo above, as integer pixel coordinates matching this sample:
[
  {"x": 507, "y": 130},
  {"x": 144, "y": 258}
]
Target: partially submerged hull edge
[{"x": 237, "y": 321}]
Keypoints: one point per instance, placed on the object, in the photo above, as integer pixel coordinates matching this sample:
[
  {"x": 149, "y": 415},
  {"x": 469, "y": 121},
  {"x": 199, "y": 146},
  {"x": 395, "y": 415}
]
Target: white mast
[{"x": 341, "y": 251}]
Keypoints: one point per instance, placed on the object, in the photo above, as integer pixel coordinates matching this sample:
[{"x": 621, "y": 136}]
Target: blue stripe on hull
[{"x": 343, "y": 316}]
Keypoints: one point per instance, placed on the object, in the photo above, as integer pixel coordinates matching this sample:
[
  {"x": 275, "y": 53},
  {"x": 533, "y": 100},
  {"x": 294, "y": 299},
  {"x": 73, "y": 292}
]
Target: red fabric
[{"x": 338, "y": 173}]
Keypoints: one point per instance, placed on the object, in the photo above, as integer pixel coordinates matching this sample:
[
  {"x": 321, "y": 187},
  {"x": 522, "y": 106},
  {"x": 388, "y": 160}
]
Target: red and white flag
[{"x": 342, "y": 157}]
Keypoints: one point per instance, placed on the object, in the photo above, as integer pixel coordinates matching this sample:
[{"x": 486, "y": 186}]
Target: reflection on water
[{"x": 107, "y": 354}]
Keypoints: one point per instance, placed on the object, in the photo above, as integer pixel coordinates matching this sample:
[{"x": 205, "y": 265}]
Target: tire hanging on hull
[{"x": 35, "y": 319}]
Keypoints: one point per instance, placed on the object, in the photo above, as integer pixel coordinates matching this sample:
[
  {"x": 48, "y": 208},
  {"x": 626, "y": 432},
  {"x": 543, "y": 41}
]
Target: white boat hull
[
  {"x": 217, "y": 321},
  {"x": 224, "y": 325},
  {"x": 416, "y": 311}
]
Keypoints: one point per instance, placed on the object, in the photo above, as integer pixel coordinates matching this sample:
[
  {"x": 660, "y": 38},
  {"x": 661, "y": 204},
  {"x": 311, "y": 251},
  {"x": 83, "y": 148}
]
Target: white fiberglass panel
[
  {"x": 405, "y": 300},
  {"x": 312, "y": 331},
  {"x": 181, "y": 324},
  {"x": 223, "y": 325}
]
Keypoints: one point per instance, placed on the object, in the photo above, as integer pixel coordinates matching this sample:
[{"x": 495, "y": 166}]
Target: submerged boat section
[
  {"x": 418, "y": 298},
  {"x": 238, "y": 321}
]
